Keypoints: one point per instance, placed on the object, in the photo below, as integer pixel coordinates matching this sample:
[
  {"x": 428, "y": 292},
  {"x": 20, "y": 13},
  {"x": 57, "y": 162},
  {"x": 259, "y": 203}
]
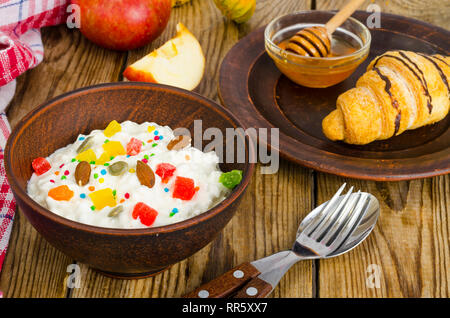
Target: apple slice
[{"x": 178, "y": 62}]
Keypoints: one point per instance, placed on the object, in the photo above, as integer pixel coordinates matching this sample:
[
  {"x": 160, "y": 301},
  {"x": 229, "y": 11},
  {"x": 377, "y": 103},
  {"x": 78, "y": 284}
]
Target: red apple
[{"x": 123, "y": 24}]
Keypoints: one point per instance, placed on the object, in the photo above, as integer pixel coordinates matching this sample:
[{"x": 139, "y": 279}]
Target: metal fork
[{"x": 331, "y": 229}]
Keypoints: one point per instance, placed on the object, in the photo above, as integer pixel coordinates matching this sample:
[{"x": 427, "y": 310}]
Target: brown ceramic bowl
[{"x": 119, "y": 252}]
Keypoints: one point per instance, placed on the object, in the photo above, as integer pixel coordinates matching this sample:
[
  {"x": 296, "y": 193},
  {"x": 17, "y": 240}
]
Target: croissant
[{"x": 401, "y": 90}]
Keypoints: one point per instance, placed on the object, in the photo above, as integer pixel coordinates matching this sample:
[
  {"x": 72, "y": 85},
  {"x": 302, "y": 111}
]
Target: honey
[{"x": 350, "y": 45}]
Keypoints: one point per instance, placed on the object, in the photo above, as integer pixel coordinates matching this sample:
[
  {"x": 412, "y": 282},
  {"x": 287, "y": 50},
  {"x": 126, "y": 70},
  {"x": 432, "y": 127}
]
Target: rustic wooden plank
[
  {"x": 268, "y": 217},
  {"x": 435, "y": 11},
  {"x": 410, "y": 242},
  {"x": 32, "y": 267}
]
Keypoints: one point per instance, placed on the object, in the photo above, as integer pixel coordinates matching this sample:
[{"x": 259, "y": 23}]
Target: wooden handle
[
  {"x": 255, "y": 288},
  {"x": 227, "y": 284},
  {"x": 342, "y": 15}
]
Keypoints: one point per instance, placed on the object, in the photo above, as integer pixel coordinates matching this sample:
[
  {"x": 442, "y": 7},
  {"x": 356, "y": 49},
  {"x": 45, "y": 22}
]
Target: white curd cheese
[{"x": 189, "y": 162}]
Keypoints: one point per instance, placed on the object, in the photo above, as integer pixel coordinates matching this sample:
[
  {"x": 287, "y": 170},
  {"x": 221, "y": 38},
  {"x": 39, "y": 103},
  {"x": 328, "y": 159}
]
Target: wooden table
[{"x": 409, "y": 247}]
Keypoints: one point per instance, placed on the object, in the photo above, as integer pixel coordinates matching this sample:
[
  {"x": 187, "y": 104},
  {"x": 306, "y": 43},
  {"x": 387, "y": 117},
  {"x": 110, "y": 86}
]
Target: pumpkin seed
[
  {"x": 85, "y": 145},
  {"x": 118, "y": 168},
  {"x": 114, "y": 212}
]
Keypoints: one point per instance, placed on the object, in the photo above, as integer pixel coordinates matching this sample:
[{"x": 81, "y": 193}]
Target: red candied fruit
[
  {"x": 134, "y": 147},
  {"x": 146, "y": 214},
  {"x": 40, "y": 165},
  {"x": 184, "y": 188},
  {"x": 165, "y": 171}
]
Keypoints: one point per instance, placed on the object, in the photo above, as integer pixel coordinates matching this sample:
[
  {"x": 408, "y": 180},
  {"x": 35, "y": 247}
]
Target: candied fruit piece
[
  {"x": 134, "y": 147},
  {"x": 61, "y": 193},
  {"x": 231, "y": 179},
  {"x": 146, "y": 214},
  {"x": 112, "y": 128},
  {"x": 165, "y": 171},
  {"x": 104, "y": 158},
  {"x": 40, "y": 165},
  {"x": 102, "y": 198},
  {"x": 184, "y": 188},
  {"x": 88, "y": 155},
  {"x": 114, "y": 148}
]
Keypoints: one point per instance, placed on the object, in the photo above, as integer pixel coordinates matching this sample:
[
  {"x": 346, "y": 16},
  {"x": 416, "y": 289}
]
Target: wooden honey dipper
[{"x": 315, "y": 41}]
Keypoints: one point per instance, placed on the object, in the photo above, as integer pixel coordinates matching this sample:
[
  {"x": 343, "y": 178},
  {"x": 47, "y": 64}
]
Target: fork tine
[
  {"x": 322, "y": 214},
  {"x": 330, "y": 218},
  {"x": 343, "y": 216},
  {"x": 350, "y": 223}
]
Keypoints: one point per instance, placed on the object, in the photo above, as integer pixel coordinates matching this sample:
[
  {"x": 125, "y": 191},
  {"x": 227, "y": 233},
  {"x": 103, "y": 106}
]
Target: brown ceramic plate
[{"x": 254, "y": 89}]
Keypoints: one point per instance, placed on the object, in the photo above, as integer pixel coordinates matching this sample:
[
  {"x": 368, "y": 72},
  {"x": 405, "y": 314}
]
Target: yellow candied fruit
[
  {"x": 88, "y": 155},
  {"x": 104, "y": 158},
  {"x": 112, "y": 128},
  {"x": 114, "y": 148},
  {"x": 150, "y": 128},
  {"x": 102, "y": 198}
]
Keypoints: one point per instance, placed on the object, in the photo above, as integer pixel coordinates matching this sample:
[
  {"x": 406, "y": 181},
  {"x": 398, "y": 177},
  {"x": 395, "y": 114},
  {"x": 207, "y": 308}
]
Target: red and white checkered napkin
[{"x": 20, "y": 49}]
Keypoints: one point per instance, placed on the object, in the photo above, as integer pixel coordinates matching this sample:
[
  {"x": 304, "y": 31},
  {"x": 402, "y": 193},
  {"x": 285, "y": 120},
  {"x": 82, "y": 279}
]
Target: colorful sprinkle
[
  {"x": 81, "y": 138},
  {"x": 95, "y": 175},
  {"x": 150, "y": 140},
  {"x": 156, "y": 132},
  {"x": 93, "y": 208},
  {"x": 127, "y": 195},
  {"x": 73, "y": 159},
  {"x": 132, "y": 170},
  {"x": 101, "y": 180},
  {"x": 66, "y": 173},
  {"x": 56, "y": 173},
  {"x": 150, "y": 128},
  {"x": 154, "y": 145},
  {"x": 166, "y": 189},
  {"x": 152, "y": 155},
  {"x": 106, "y": 164},
  {"x": 156, "y": 137},
  {"x": 63, "y": 178},
  {"x": 122, "y": 200},
  {"x": 103, "y": 172},
  {"x": 146, "y": 157},
  {"x": 83, "y": 195},
  {"x": 187, "y": 157},
  {"x": 91, "y": 188},
  {"x": 106, "y": 141},
  {"x": 175, "y": 210},
  {"x": 92, "y": 162},
  {"x": 52, "y": 181},
  {"x": 114, "y": 192},
  {"x": 61, "y": 166},
  {"x": 144, "y": 160},
  {"x": 161, "y": 137}
]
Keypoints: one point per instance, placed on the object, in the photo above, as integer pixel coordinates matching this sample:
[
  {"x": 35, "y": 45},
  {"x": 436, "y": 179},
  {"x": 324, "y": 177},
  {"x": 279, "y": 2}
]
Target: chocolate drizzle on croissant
[
  {"x": 400, "y": 90},
  {"x": 394, "y": 102}
]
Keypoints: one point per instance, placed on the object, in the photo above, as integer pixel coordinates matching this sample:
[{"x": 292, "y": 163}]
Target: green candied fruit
[{"x": 231, "y": 179}]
